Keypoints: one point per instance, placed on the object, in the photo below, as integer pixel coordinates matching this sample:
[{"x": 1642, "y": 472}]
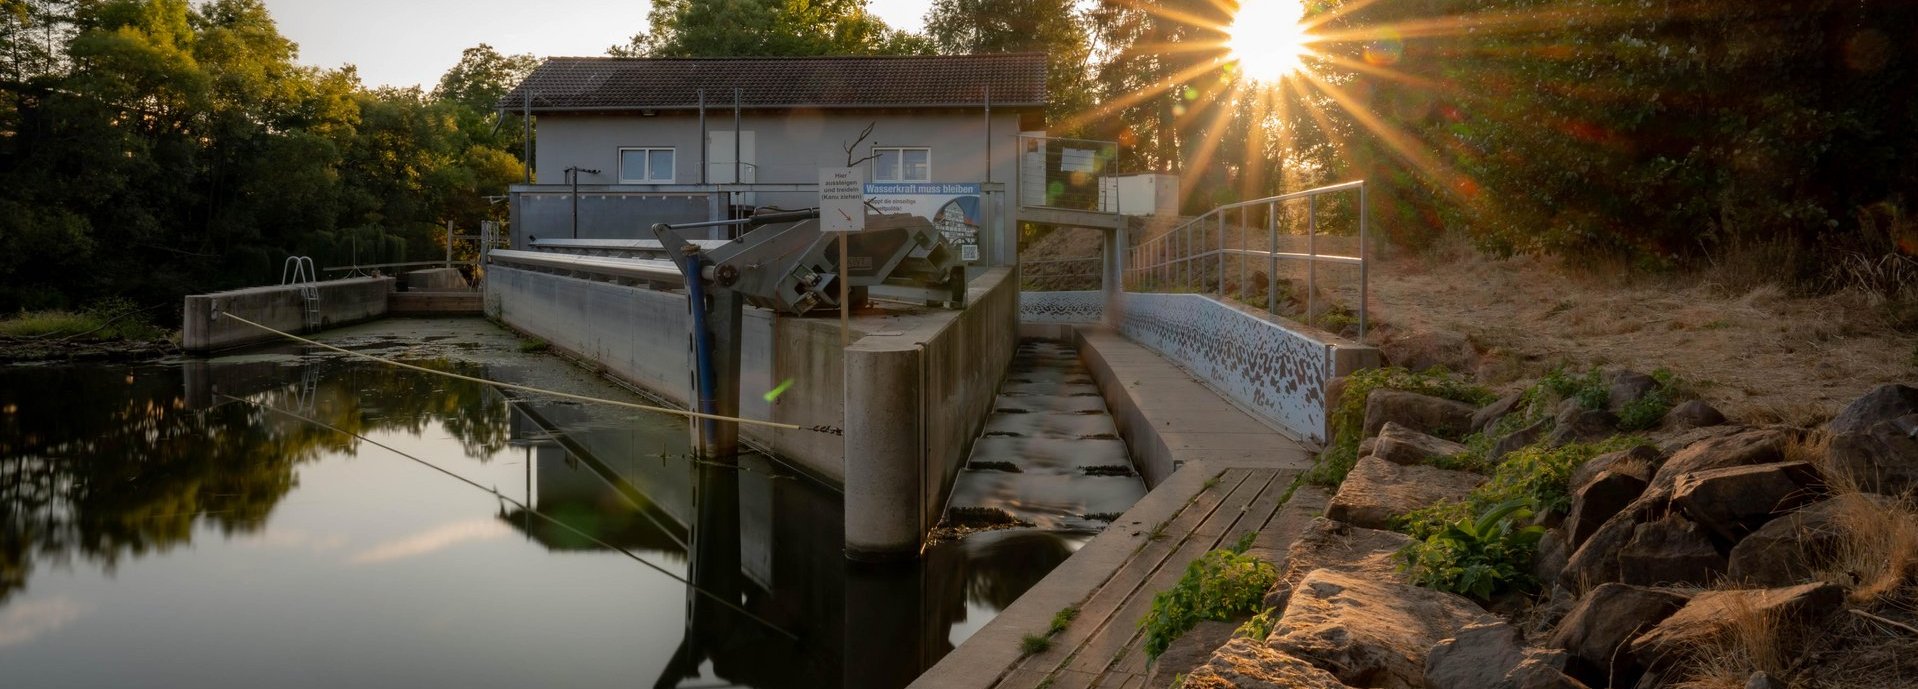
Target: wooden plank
[
  {"x": 1233, "y": 507},
  {"x": 1122, "y": 627},
  {"x": 1097, "y": 610},
  {"x": 1021, "y": 679}
]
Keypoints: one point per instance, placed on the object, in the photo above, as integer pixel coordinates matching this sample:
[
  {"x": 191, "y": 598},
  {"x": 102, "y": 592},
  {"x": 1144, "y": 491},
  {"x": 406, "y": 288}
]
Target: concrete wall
[
  {"x": 280, "y": 307},
  {"x": 916, "y": 398},
  {"x": 1273, "y": 368},
  {"x": 434, "y": 279},
  {"x": 640, "y": 336}
]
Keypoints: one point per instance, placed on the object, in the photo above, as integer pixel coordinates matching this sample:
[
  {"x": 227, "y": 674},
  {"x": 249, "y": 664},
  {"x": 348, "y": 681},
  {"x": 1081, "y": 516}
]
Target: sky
[{"x": 407, "y": 42}]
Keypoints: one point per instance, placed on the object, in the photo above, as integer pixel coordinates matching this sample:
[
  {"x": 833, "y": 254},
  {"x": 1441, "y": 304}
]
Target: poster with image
[{"x": 953, "y": 208}]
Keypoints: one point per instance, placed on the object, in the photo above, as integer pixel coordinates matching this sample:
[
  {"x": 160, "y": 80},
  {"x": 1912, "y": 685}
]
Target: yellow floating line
[{"x": 525, "y": 388}]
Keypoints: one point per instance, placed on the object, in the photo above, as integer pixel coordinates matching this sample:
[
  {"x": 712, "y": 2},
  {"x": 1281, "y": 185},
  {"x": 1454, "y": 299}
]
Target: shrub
[
  {"x": 1260, "y": 626},
  {"x": 1033, "y": 643},
  {"x": 107, "y": 319},
  {"x": 1222, "y": 585},
  {"x": 1348, "y": 420},
  {"x": 1646, "y": 412},
  {"x": 1477, "y": 555},
  {"x": 1063, "y": 619},
  {"x": 1589, "y": 389}
]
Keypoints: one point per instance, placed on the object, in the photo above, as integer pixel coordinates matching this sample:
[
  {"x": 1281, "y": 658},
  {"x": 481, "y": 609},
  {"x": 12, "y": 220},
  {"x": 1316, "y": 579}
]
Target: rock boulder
[
  {"x": 1883, "y": 403},
  {"x": 1422, "y": 413},
  {"x": 1376, "y": 491},
  {"x": 1672, "y": 550},
  {"x": 1734, "y": 501},
  {"x": 1603, "y": 621},
  {"x": 1491, "y": 413},
  {"x": 1626, "y": 387},
  {"x": 1790, "y": 549},
  {"x": 1692, "y": 414},
  {"x": 1597, "y": 500},
  {"x": 1493, "y": 656},
  {"x": 1712, "y": 613},
  {"x": 1400, "y": 445},
  {"x": 1338, "y": 546},
  {"x": 1883, "y": 458},
  {"x": 1369, "y": 633},
  {"x": 1248, "y": 664},
  {"x": 1641, "y": 461}
]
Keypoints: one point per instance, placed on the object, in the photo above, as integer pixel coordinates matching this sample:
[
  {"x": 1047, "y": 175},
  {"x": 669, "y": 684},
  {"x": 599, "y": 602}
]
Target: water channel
[{"x": 162, "y": 526}]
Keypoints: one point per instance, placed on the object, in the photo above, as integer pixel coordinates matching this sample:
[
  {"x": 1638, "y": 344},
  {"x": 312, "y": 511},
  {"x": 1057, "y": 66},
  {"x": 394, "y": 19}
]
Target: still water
[{"x": 160, "y": 527}]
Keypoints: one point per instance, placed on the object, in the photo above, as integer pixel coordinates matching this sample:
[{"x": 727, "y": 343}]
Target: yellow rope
[{"x": 511, "y": 386}]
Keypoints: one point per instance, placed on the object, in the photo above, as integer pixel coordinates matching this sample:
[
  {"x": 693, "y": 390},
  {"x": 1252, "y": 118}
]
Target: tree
[
  {"x": 1053, "y": 27},
  {"x": 482, "y": 76},
  {"x": 739, "y": 28}
]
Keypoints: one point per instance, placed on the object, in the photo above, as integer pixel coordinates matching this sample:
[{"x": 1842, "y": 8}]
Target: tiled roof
[{"x": 609, "y": 83}]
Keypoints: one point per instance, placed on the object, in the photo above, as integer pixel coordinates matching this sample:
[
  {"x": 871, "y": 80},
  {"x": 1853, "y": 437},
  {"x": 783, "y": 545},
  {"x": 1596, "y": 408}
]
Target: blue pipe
[{"x": 689, "y": 265}]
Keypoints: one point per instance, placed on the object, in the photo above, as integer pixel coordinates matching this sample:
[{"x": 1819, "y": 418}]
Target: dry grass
[
  {"x": 1756, "y": 351},
  {"x": 1751, "y": 640},
  {"x": 1877, "y": 551}
]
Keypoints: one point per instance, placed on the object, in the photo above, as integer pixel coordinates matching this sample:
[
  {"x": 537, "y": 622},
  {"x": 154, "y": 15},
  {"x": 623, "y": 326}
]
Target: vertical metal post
[
  {"x": 1312, "y": 257},
  {"x": 526, "y": 136},
  {"x": 1272, "y": 259},
  {"x": 572, "y": 174},
  {"x": 988, "y": 132},
  {"x": 1365, "y": 261},
  {"x": 737, "y": 136},
  {"x": 449, "y": 243},
  {"x": 1221, "y": 261},
  {"x": 722, "y": 437},
  {"x": 705, "y": 140},
  {"x": 1243, "y": 212}
]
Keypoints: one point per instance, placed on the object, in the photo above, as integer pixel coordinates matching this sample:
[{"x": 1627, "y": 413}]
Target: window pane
[
  {"x": 660, "y": 167},
  {"x": 886, "y": 167},
  {"x": 918, "y": 165},
  {"x": 632, "y": 166}
]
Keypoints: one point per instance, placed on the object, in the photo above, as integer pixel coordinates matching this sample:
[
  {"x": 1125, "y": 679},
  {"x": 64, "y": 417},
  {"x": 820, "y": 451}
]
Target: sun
[{"x": 1267, "y": 39}]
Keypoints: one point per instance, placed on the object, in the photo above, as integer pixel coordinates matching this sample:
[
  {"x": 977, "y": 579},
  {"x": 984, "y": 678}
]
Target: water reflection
[{"x": 202, "y": 542}]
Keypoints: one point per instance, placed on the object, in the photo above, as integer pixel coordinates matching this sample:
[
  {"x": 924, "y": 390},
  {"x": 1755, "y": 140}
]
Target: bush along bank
[{"x": 1600, "y": 528}]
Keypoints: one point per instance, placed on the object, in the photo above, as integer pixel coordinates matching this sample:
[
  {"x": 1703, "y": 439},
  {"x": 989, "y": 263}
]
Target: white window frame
[
  {"x": 644, "y": 177},
  {"x": 897, "y": 175}
]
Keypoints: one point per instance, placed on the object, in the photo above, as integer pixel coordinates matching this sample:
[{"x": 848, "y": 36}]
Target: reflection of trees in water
[
  {"x": 108, "y": 462},
  {"x": 1004, "y": 566}
]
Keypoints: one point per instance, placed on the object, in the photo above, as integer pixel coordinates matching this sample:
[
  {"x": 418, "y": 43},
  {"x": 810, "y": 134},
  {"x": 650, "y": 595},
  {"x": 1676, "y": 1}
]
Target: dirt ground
[{"x": 1760, "y": 355}]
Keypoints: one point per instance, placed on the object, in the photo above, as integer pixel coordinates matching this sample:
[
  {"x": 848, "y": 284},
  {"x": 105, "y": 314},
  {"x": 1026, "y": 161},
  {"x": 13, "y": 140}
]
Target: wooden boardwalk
[{"x": 1104, "y": 646}]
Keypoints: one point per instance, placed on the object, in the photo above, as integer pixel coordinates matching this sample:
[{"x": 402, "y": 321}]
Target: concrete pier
[{"x": 281, "y": 307}]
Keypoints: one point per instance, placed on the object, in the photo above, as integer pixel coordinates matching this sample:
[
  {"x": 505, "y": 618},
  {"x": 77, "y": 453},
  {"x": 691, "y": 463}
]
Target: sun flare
[{"x": 1267, "y": 38}]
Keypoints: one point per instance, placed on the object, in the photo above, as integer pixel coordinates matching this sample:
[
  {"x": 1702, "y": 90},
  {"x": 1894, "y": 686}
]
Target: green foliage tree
[
  {"x": 743, "y": 28},
  {"x": 1054, "y": 27}
]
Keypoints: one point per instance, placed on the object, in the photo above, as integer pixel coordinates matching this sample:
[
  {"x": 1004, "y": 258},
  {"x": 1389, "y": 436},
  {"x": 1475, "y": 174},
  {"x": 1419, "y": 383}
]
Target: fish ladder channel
[{"x": 1050, "y": 457}]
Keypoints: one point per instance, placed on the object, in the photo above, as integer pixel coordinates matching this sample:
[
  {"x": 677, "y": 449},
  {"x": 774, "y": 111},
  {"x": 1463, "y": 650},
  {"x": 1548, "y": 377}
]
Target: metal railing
[
  {"x": 298, "y": 270},
  {"x": 1181, "y": 255}
]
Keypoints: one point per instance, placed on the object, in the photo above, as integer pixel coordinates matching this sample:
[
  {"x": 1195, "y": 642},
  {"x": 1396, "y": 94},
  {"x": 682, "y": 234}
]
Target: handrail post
[
  {"x": 1222, "y": 215},
  {"x": 1365, "y": 262},
  {"x": 1312, "y": 263},
  {"x": 1243, "y": 214},
  {"x": 1272, "y": 272}
]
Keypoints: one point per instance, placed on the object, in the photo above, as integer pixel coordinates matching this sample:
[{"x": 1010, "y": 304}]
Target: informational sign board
[
  {"x": 842, "y": 201},
  {"x": 954, "y": 208}
]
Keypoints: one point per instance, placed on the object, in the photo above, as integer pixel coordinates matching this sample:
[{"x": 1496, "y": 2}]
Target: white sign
[{"x": 842, "y": 200}]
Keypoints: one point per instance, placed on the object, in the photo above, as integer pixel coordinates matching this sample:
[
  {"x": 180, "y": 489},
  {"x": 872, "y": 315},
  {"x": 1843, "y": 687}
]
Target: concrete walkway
[{"x": 1223, "y": 474}]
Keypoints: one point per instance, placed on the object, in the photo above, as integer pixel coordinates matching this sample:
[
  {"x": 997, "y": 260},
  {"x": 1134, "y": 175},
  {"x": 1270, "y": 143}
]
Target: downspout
[
  {"x": 704, "y": 141},
  {"x": 526, "y": 136},
  {"x": 689, "y": 266}
]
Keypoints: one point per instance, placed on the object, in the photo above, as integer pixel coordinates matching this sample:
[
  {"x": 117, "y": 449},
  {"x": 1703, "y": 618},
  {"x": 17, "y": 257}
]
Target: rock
[
  {"x": 1548, "y": 561},
  {"x": 1597, "y": 500},
  {"x": 1369, "y": 445},
  {"x": 1641, "y": 461},
  {"x": 1338, "y": 546},
  {"x": 1626, "y": 387},
  {"x": 1518, "y": 440},
  {"x": 1400, "y": 445},
  {"x": 1711, "y": 613},
  {"x": 1491, "y": 413},
  {"x": 1760, "y": 680},
  {"x": 1247, "y": 664},
  {"x": 1422, "y": 413},
  {"x": 1191, "y": 650},
  {"x": 1596, "y": 560},
  {"x": 1376, "y": 491},
  {"x": 1883, "y": 403},
  {"x": 1670, "y": 442},
  {"x": 1692, "y": 414},
  {"x": 1493, "y": 656},
  {"x": 1420, "y": 350},
  {"x": 1789, "y": 549},
  {"x": 1369, "y": 633},
  {"x": 1734, "y": 501},
  {"x": 1672, "y": 550},
  {"x": 1880, "y": 459},
  {"x": 1579, "y": 425},
  {"x": 1603, "y": 621},
  {"x": 1743, "y": 448}
]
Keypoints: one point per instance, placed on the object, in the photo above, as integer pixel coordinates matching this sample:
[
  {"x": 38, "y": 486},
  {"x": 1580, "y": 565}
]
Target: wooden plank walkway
[{"x": 1104, "y": 647}]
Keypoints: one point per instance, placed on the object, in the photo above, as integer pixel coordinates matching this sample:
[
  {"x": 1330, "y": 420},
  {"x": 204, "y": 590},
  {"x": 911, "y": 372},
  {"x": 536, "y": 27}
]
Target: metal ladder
[{"x": 299, "y": 270}]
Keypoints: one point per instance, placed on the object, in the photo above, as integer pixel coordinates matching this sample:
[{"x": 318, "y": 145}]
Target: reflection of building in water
[{"x": 769, "y": 540}]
